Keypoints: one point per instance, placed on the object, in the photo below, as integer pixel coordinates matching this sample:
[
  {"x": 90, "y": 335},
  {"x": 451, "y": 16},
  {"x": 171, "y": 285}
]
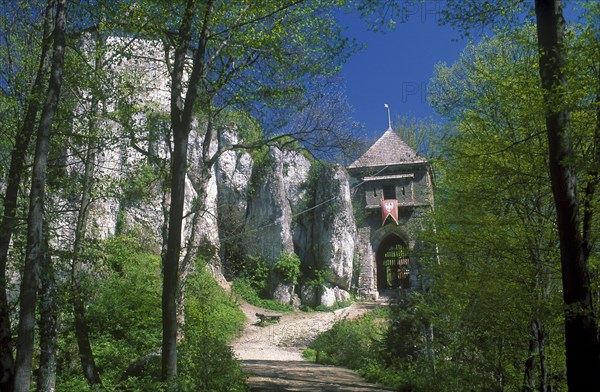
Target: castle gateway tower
[{"x": 392, "y": 189}]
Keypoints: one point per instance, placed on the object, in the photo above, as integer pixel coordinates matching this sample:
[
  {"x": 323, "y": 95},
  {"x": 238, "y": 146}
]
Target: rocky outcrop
[
  {"x": 247, "y": 208},
  {"x": 278, "y": 185},
  {"x": 333, "y": 230},
  {"x": 281, "y": 220},
  {"x": 295, "y": 169},
  {"x": 201, "y": 224},
  {"x": 327, "y": 297},
  {"x": 233, "y": 173}
]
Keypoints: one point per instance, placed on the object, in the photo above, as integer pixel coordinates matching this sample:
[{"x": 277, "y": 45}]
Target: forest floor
[{"x": 272, "y": 354}]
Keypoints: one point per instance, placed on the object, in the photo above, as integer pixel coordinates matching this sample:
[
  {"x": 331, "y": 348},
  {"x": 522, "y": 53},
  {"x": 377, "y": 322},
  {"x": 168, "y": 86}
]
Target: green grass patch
[
  {"x": 249, "y": 293},
  {"x": 338, "y": 305}
]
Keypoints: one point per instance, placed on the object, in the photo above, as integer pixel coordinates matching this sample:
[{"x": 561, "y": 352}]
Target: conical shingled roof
[{"x": 388, "y": 150}]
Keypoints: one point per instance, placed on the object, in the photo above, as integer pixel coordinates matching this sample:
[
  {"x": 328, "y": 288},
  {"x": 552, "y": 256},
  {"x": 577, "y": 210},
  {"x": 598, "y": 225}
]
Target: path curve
[{"x": 273, "y": 354}]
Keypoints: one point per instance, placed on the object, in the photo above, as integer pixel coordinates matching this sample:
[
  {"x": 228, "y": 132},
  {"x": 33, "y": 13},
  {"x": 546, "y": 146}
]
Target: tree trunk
[
  {"x": 529, "y": 381},
  {"x": 13, "y": 182},
  {"x": 178, "y": 173},
  {"x": 581, "y": 333},
  {"x": 542, "y": 337},
  {"x": 171, "y": 265},
  {"x": 86, "y": 355},
  {"x": 48, "y": 324},
  {"x": 181, "y": 122},
  {"x": 195, "y": 241},
  {"x": 34, "y": 256}
]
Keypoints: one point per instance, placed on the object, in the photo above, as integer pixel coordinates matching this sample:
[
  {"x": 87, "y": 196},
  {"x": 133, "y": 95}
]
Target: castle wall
[{"x": 412, "y": 186}]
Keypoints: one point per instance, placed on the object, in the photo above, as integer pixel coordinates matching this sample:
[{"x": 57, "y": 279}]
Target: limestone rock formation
[
  {"x": 233, "y": 173},
  {"x": 327, "y": 297},
  {"x": 261, "y": 210},
  {"x": 333, "y": 230},
  {"x": 309, "y": 295},
  {"x": 269, "y": 219}
]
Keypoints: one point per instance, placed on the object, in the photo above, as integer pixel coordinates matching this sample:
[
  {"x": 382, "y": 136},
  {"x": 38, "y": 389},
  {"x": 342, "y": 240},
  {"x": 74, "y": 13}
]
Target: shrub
[
  {"x": 212, "y": 319},
  {"x": 288, "y": 267},
  {"x": 351, "y": 342},
  {"x": 257, "y": 272},
  {"x": 124, "y": 316},
  {"x": 244, "y": 289}
]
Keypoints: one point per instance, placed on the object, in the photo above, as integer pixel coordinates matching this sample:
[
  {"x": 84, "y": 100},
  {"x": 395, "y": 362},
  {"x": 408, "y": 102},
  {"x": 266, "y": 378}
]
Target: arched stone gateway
[
  {"x": 392, "y": 189},
  {"x": 393, "y": 264}
]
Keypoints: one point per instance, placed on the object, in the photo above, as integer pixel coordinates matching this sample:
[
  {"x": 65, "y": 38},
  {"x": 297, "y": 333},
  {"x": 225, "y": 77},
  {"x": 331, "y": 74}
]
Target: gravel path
[{"x": 273, "y": 354}]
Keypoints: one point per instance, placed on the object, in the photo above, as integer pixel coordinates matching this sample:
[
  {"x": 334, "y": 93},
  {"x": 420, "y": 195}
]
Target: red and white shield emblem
[{"x": 389, "y": 208}]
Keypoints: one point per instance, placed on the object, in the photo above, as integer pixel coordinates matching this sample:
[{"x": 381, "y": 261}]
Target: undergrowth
[
  {"x": 244, "y": 288},
  {"x": 355, "y": 344},
  {"x": 124, "y": 315}
]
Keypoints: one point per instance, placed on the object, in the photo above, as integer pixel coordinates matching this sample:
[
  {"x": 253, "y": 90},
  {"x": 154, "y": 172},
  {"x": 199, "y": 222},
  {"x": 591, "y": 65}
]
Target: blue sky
[{"x": 395, "y": 66}]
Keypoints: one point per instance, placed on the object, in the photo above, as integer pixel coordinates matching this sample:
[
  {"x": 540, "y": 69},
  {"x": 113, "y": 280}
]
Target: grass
[{"x": 244, "y": 289}]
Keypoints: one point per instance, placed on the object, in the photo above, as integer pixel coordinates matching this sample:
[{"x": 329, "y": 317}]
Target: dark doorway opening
[{"x": 393, "y": 264}]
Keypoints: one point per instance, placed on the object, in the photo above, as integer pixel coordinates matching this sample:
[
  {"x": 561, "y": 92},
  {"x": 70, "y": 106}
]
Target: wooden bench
[{"x": 268, "y": 317}]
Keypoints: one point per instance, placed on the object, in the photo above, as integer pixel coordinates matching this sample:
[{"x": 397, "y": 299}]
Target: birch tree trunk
[
  {"x": 34, "y": 256},
  {"x": 181, "y": 122},
  {"x": 48, "y": 323},
  {"x": 13, "y": 183}
]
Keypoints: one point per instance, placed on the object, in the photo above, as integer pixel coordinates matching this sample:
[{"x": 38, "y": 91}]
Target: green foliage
[
  {"x": 498, "y": 277},
  {"x": 124, "y": 316},
  {"x": 209, "y": 364},
  {"x": 288, "y": 267},
  {"x": 315, "y": 277},
  {"x": 244, "y": 288},
  {"x": 248, "y": 128},
  {"x": 253, "y": 284},
  {"x": 209, "y": 308},
  {"x": 136, "y": 187},
  {"x": 257, "y": 272},
  {"x": 212, "y": 318},
  {"x": 351, "y": 343}
]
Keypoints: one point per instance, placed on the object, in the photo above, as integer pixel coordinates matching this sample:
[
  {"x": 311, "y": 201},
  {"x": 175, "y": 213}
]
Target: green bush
[
  {"x": 253, "y": 285},
  {"x": 209, "y": 308},
  {"x": 351, "y": 343},
  {"x": 288, "y": 267},
  {"x": 243, "y": 287},
  {"x": 257, "y": 272},
  {"x": 389, "y": 346},
  {"x": 207, "y": 362},
  {"x": 124, "y": 314}
]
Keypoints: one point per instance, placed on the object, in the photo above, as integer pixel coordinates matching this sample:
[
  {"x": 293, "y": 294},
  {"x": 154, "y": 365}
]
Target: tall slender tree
[
  {"x": 582, "y": 341},
  {"x": 34, "y": 255},
  {"x": 582, "y": 344},
  {"x": 236, "y": 56},
  {"x": 13, "y": 182}
]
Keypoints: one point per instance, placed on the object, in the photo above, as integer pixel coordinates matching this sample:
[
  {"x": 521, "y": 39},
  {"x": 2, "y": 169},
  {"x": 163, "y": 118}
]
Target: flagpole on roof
[{"x": 389, "y": 118}]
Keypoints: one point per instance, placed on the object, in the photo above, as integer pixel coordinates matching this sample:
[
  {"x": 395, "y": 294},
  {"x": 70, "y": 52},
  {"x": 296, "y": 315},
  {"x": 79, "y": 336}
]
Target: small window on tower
[{"x": 389, "y": 192}]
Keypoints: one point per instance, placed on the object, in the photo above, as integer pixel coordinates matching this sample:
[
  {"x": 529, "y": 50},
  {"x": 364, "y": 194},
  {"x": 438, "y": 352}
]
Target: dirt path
[{"x": 273, "y": 354}]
